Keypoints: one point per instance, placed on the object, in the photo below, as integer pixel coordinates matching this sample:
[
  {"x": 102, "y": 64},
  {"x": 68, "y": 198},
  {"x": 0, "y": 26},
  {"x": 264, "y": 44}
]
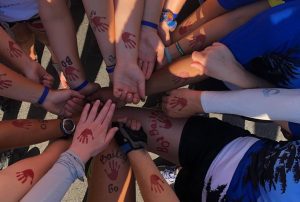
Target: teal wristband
[
  {"x": 168, "y": 55},
  {"x": 180, "y": 50}
]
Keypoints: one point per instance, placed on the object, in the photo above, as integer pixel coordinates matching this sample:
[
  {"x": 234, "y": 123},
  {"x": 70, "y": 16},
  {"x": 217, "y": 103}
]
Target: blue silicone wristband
[
  {"x": 110, "y": 69},
  {"x": 81, "y": 86},
  {"x": 149, "y": 24},
  {"x": 42, "y": 99},
  {"x": 295, "y": 130}
]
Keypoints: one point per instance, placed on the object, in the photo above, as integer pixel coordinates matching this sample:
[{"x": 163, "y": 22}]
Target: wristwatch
[{"x": 67, "y": 126}]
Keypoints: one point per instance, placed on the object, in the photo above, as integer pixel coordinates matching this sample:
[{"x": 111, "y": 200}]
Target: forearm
[
  {"x": 128, "y": 23},
  {"x": 12, "y": 55},
  {"x": 12, "y": 132},
  {"x": 152, "y": 185},
  {"x": 102, "y": 20},
  {"x": 266, "y": 104},
  {"x": 15, "y": 86},
  {"x": 65, "y": 171},
  {"x": 174, "y": 5},
  {"x": 60, "y": 30},
  {"x": 152, "y": 10},
  {"x": 217, "y": 28}
]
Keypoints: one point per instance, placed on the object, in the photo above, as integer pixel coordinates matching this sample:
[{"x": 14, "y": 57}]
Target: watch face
[{"x": 68, "y": 125}]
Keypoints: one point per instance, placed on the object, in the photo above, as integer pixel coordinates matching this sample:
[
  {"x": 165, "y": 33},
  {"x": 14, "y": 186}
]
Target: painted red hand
[
  {"x": 84, "y": 136},
  {"x": 197, "y": 40},
  {"x": 129, "y": 43},
  {"x": 23, "y": 175},
  {"x": 155, "y": 186},
  {"x": 114, "y": 170},
  {"x": 13, "y": 51},
  {"x": 165, "y": 123},
  {"x": 185, "y": 28},
  {"x": 4, "y": 83},
  {"x": 70, "y": 73},
  {"x": 25, "y": 124},
  {"x": 98, "y": 24},
  {"x": 178, "y": 102}
]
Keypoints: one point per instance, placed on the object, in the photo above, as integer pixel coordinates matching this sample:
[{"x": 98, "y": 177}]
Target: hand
[
  {"x": 90, "y": 89},
  {"x": 151, "y": 49},
  {"x": 164, "y": 33},
  {"x": 182, "y": 103},
  {"x": 105, "y": 94},
  {"x": 64, "y": 103},
  {"x": 129, "y": 83},
  {"x": 38, "y": 74},
  {"x": 218, "y": 62},
  {"x": 93, "y": 132}
]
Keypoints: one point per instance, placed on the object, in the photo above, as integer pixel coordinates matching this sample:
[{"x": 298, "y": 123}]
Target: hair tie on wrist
[
  {"x": 81, "y": 86},
  {"x": 149, "y": 24},
  {"x": 42, "y": 99},
  {"x": 180, "y": 50},
  {"x": 168, "y": 55},
  {"x": 110, "y": 69}
]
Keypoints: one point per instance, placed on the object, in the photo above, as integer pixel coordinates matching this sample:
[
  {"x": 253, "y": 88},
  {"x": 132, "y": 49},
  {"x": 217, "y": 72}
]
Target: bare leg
[{"x": 111, "y": 177}]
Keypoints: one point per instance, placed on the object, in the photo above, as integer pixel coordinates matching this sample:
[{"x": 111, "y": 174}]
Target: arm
[
  {"x": 12, "y": 132},
  {"x": 151, "y": 48},
  {"x": 19, "y": 178},
  {"x": 215, "y": 29},
  {"x": 164, "y": 30},
  {"x": 91, "y": 137},
  {"x": 152, "y": 185},
  {"x": 13, "y": 55},
  {"x": 59, "y": 26},
  {"x": 102, "y": 20},
  {"x": 129, "y": 81},
  {"x": 13, "y": 85}
]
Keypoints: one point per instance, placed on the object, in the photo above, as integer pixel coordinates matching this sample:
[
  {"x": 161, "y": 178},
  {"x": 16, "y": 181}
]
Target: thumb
[
  {"x": 197, "y": 56},
  {"x": 141, "y": 86}
]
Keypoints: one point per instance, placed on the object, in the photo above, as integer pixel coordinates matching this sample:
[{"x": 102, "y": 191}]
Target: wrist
[
  {"x": 84, "y": 157},
  {"x": 149, "y": 25}
]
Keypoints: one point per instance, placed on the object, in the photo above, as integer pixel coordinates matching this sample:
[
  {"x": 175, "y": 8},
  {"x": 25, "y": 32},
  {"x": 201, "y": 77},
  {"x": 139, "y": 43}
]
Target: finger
[
  {"x": 93, "y": 112},
  {"x": 129, "y": 98},
  {"x": 149, "y": 70},
  {"x": 128, "y": 123},
  {"x": 140, "y": 63},
  {"x": 197, "y": 56},
  {"x": 144, "y": 67},
  {"x": 110, "y": 134},
  {"x": 74, "y": 105},
  {"x": 47, "y": 83},
  {"x": 102, "y": 115},
  {"x": 107, "y": 120},
  {"x": 78, "y": 101},
  {"x": 123, "y": 96},
  {"x": 117, "y": 92},
  {"x": 76, "y": 94},
  {"x": 136, "y": 98},
  {"x": 84, "y": 113},
  {"x": 141, "y": 88}
]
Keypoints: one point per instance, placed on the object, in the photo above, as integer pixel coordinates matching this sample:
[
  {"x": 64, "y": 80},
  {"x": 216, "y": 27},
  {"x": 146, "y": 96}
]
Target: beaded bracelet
[{"x": 180, "y": 50}]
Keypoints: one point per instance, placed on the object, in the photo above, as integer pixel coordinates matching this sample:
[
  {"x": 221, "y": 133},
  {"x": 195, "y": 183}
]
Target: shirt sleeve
[
  {"x": 53, "y": 186},
  {"x": 275, "y": 30}
]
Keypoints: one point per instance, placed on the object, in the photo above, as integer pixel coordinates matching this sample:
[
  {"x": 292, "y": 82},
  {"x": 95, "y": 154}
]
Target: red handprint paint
[
  {"x": 178, "y": 102},
  {"x": 70, "y": 73},
  {"x": 25, "y": 124},
  {"x": 114, "y": 168},
  {"x": 165, "y": 122},
  {"x": 24, "y": 175},
  {"x": 4, "y": 83},
  {"x": 84, "y": 136},
  {"x": 14, "y": 51},
  {"x": 197, "y": 41},
  {"x": 97, "y": 22},
  {"x": 185, "y": 28},
  {"x": 128, "y": 40},
  {"x": 156, "y": 184}
]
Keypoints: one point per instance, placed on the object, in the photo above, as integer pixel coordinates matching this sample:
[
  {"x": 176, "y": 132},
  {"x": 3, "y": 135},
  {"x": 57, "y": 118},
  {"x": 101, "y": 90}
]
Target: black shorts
[{"x": 201, "y": 141}]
